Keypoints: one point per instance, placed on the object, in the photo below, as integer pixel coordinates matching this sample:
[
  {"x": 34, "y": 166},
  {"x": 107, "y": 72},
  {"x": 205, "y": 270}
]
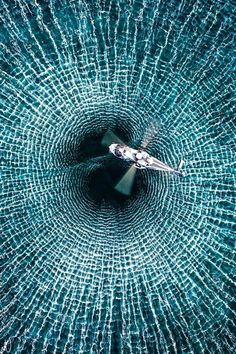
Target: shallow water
[{"x": 85, "y": 269}]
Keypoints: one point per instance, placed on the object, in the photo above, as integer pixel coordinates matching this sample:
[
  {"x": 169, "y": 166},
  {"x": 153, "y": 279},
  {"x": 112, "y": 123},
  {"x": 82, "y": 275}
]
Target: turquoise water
[{"x": 85, "y": 269}]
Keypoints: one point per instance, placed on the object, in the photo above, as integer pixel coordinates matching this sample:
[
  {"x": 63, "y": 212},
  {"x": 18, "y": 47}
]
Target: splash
[{"x": 83, "y": 268}]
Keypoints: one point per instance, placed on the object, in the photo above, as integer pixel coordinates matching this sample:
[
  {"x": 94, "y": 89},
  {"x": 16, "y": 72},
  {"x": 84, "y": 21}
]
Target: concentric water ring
[{"x": 85, "y": 269}]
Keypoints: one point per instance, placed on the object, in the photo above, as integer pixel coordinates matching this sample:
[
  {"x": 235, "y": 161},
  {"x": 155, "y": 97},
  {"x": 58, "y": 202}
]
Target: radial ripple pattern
[{"x": 85, "y": 269}]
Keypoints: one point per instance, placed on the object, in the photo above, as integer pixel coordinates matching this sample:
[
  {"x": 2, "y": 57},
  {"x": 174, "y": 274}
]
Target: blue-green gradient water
[{"x": 83, "y": 268}]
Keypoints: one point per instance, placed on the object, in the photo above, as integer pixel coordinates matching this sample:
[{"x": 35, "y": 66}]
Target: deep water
[{"x": 85, "y": 269}]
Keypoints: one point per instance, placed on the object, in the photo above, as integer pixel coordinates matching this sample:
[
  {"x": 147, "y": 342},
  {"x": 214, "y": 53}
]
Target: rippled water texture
[{"x": 85, "y": 269}]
